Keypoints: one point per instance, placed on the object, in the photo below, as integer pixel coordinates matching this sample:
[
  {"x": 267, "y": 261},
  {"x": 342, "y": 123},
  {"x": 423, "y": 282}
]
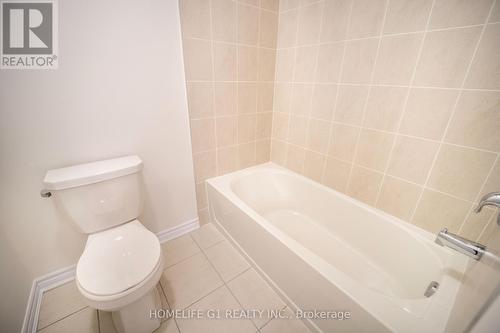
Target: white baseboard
[{"x": 55, "y": 279}]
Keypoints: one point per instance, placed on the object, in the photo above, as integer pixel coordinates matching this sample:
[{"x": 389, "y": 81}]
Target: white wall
[{"x": 119, "y": 90}]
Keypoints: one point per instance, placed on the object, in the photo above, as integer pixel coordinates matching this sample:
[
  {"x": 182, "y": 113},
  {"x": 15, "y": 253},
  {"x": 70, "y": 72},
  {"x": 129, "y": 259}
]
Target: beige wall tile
[
  {"x": 495, "y": 14},
  {"x": 384, "y": 107},
  {"x": 201, "y": 196},
  {"x": 278, "y": 152},
  {"x": 288, "y": 4},
  {"x": 407, "y": 16},
  {"x": 227, "y": 130},
  {"x": 204, "y": 165},
  {"x": 398, "y": 198},
  {"x": 285, "y": 61},
  {"x": 195, "y": 18},
  {"x": 329, "y": 61},
  {"x": 412, "y": 159},
  {"x": 323, "y": 101},
  {"x": 282, "y": 97},
  {"x": 485, "y": 70},
  {"x": 343, "y": 142},
  {"x": 268, "y": 29},
  {"x": 225, "y": 98},
  {"x": 265, "y": 95},
  {"x": 493, "y": 181},
  {"x": 247, "y": 125},
  {"x": 364, "y": 185},
  {"x": 264, "y": 124},
  {"x": 337, "y": 174},
  {"x": 436, "y": 211},
  {"x": 246, "y": 155},
  {"x": 460, "y": 171},
  {"x": 476, "y": 121},
  {"x": 297, "y": 133},
  {"x": 225, "y": 56},
  {"x": 223, "y": 20},
  {"x": 267, "y": 61},
  {"x": 227, "y": 159},
  {"x": 313, "y": 165},
  {"x": 248, "y": 59},
  {"x": 301, "y": 99},
  {"x": 270, "y": 4},
  {"x": 247, "y": 97},
  {"x": 359, "y": 60},
  {"x": 200, "y": 99},
  {"x": 309, "y": 23},
  {"x": 248, "y": 27},
  {"x": 280, "y": 126},
  {"x": 373, "y": 149},
  {"x": 318, "y": 133},
  {"x": 295, "y": 157},
  {"x": 397, "y": 59},
  {"x": 366, "y": 18},
  {"x": 335, "y": 29},
  {"x": 445, "y": 57},
  {"x": 350, "y": 104},
  {"x": 459, "y": 13},
  {"x": 287, "y": 28},
  {"x": 263, "y": 151},
  {"x": 197, "y": 59},
  {"x": 428, "y": 112},
  {"x": 305, "y": 62},
  {"x": 475, "y": 223},
  {"x": 202, "y": 134}
]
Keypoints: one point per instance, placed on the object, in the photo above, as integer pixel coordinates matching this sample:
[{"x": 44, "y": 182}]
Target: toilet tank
[{"x": 98, "y": 195}]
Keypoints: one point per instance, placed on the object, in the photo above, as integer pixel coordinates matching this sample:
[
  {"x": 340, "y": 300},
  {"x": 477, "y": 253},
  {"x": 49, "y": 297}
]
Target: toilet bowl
[
  {"x": 122, "y": 261},
  {"x": 118, "y": 271}
]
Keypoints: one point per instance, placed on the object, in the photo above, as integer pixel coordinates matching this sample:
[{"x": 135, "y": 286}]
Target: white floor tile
[
  {"x": 59, "y": 303},
  {"x": 178, "y": 249},
  {"x": 226, "y": 260},
  {"x": 83, "y": 321},
  {"x": 285, "y": 325},
  {"x": 189, "y": 280},
  {"x": 207, "y": 235},
  {"x": 254, "y": 293},
  {"x": 221, "y": 300}
]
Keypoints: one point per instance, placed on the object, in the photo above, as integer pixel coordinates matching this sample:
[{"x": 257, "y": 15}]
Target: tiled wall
[
  {"x": 229, "y": 57},
  {"x": 395, "y": 103}
]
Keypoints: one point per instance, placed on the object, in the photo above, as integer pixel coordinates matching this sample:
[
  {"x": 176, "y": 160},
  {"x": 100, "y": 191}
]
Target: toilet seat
[{"x": 118, "y": 265}]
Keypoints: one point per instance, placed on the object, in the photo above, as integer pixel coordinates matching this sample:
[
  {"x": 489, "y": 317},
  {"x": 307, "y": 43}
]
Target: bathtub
[{"x": 322, "y": 250}]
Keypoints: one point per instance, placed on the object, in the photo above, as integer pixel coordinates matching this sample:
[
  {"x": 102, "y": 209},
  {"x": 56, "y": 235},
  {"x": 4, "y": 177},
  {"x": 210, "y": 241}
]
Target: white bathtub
[{"x": 324, "y": 250}]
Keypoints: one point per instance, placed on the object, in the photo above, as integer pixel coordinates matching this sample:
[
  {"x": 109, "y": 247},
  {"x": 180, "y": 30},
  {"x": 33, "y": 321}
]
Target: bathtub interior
[{"x": 361, "y": 244}]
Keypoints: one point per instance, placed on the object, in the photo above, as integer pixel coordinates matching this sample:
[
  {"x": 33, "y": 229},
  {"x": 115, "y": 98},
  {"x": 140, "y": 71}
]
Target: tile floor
[{"x": 202, "y": 272}]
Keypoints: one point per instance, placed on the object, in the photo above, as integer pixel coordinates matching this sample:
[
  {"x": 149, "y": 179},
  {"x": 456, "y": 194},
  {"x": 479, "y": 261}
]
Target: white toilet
[{"x": 122, "y": 261}]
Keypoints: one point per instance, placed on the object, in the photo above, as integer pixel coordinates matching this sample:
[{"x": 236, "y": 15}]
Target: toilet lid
[{"x": 118, "y": 259}]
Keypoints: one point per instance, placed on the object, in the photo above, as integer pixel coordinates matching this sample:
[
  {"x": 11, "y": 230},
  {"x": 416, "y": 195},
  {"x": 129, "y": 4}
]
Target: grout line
[
  {"x": 453, "y": 114},
  {"x": 405, "y": 106},
  {"x": 58, "y": 320},
  {"x": 372, "y": 75},
  {"x": 380, "y": 173},
  {"x": 293, "y": 88},
  {"x": 337, "y": 93},
  {"x": 313, "y": 89},
  {"x": 381, "y": 35},
  {"x": 224, "y": 283}
]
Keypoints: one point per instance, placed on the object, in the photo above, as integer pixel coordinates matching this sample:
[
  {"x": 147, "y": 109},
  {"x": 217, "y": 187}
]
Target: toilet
[{"x": 122, "y": 261}]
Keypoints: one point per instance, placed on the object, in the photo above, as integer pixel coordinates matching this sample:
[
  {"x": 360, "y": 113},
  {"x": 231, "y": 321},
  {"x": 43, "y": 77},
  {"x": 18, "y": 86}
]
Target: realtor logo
[{"x": 29, "y": 35}]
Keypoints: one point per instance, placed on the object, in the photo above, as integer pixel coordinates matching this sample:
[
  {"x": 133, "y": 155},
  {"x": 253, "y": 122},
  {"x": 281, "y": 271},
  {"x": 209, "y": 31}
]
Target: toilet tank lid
[{"x": 89, "y": 173}]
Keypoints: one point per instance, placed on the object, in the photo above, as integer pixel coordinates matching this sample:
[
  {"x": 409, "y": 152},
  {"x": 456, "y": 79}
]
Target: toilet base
[{"x": 135, "y": 317}]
